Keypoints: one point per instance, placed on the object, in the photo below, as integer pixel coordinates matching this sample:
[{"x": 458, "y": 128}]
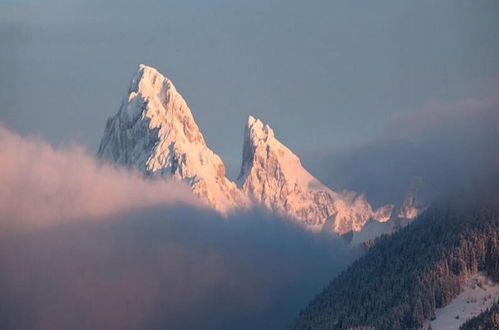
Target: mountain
[
  {"x": 154, "y": 131},
  {"x": 405, "y": 277},
  {"x": 273, "y": 176}
]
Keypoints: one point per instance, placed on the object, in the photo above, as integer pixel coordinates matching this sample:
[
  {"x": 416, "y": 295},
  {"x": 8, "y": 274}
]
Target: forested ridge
[{"x": 405, "y": 276}]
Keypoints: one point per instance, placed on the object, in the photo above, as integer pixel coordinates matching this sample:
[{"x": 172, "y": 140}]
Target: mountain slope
[
  {"x": 479, "y": 294},
  {"x": 154, "y": 131},
  {"x": 488, "y": 320},
  {"x": 272, "y": 175},
  {"x": 404, "y": 277}
]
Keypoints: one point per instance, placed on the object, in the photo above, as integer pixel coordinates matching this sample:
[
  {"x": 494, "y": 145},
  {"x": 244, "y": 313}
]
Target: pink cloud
[
  {"x": 40, "y": 184},
  {"x": 469, "y": 115},
  {"x": 155, "y": 259}
]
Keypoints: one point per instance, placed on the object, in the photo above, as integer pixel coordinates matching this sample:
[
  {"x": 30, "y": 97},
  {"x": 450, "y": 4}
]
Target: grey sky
[{"x": 323, "y": 74}]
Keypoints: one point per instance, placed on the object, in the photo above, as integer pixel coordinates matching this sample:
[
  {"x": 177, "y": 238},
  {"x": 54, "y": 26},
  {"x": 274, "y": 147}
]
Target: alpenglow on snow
[{"x": 154, "y": 132}]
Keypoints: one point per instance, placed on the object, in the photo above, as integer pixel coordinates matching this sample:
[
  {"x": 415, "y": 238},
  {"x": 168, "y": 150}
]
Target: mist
[
  {"x": 448, "y": 149},
  {"x": 87, "y": 245},
  {"x": 41, "y": 185}
]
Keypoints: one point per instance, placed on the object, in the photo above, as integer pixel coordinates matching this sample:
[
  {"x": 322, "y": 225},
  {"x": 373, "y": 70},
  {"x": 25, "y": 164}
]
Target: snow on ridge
[
  {"x": 155, "y": 132},
  {"x": 273, "y": 176}
]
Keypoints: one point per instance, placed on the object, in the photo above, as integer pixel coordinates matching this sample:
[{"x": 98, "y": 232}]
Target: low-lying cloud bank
[
  {"x": 86, "y": 245},
  {"x": 41, "y": 185}
]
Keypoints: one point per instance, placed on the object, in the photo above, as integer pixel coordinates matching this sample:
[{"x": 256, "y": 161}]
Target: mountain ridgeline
[
  {"x": 405, "y": 276},
  {"x": 154, "y": 132}
]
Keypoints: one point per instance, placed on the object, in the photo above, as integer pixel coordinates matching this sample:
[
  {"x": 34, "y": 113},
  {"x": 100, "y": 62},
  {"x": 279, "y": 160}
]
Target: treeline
[
  {"x": 488, "y": 320},
  {"x": 404, "y": 277}
]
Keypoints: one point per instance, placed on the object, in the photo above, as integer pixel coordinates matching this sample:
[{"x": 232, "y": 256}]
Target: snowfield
[{"x": 479, "y": 294}]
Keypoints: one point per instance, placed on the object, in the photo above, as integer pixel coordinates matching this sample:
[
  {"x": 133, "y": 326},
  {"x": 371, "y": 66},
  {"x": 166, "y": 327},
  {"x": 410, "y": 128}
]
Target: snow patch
[{"x": 479, "y": 294}]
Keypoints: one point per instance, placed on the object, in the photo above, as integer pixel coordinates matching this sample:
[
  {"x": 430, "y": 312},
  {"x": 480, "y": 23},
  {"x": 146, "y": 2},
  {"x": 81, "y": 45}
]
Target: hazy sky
[{"x": 323, "y": 74}]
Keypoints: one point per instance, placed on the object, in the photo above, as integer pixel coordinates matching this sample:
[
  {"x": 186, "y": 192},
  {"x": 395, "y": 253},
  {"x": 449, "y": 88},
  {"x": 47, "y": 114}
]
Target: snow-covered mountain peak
[
  {"x": 260, "y": 145},
  {"x": 272, "y": 175},
  {"x": 154, "y": 97},
  {"x": 256, "y": 131},
  {"x": 149, "y": 81},
  {"x": 155, "y": 132},
  {"x": 151, "y": 84}
]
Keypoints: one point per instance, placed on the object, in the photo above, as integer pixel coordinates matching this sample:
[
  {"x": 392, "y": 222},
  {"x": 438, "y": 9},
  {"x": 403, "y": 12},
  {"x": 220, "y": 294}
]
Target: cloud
[
  {"x": 40, "y": 184},
  {"x": 472, "y": 116},
  {"x": 107, "y": 249},
  {"x": 451, "y": 146}
]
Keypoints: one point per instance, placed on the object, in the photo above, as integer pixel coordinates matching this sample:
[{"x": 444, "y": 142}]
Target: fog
[
  {"x": 41, "y": 185},
  {"x": 86, "y": 245},
  {"x": 448, "y": 149}
]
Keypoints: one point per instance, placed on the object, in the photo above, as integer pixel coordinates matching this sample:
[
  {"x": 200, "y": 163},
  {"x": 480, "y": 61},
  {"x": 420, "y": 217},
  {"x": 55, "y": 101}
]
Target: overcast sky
[{"x": 324, "y": 74}]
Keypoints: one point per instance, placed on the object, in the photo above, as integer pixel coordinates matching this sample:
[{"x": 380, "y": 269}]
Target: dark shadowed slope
[{"x": 404, "y": 277}]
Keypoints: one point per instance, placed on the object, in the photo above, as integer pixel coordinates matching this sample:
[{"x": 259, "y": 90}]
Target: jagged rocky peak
[
  {"x": 258, "y": 141},
  {"x": 255, "y": 133},
  {"x": 154, "y": 131},
  {"x": 272, "y": 175}
]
